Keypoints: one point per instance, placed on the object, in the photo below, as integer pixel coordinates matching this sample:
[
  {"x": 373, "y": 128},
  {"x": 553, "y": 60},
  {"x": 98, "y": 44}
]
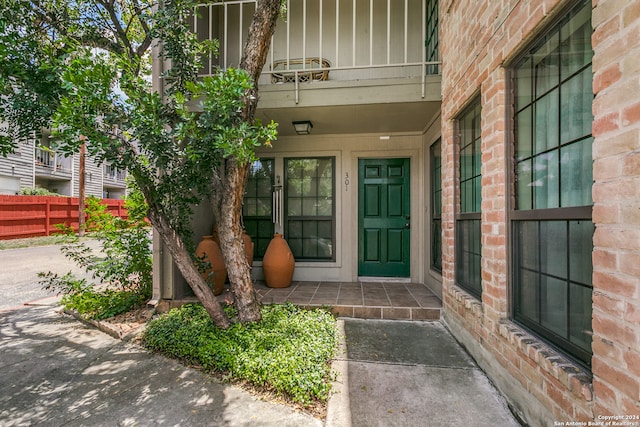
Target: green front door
[{"x": 383, "y": 217}]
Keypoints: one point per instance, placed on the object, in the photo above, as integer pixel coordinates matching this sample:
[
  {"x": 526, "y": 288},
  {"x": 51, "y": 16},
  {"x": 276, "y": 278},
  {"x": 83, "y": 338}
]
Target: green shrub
[
  {"x": 122, "y": 268},
  {"x": 103, "y": 304},
  {"x": 37, "y": 191},
  {"x": 289, "y": 351}
]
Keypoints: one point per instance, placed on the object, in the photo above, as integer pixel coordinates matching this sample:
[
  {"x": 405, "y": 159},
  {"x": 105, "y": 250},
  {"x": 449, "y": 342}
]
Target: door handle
[{"x": 407, "y": 225}]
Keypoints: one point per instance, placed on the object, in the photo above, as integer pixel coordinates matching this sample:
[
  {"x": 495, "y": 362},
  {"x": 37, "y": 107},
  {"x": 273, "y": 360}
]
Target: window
[
  {"x": 552, "y": 230},
  {"x": 256, "y": 211},
  {"x": 310, "y": 208},
  {"x": 436, "y": 205},
  {"x": 468, "y": 247}
]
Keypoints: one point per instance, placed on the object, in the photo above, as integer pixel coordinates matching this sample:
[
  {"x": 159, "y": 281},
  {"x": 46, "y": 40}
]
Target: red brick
[
  {"x": 632, "y": 312},
  {"x": 606, "y": 303},
  {"x": 631, "y": 114},
  {"x": 606, "y": 77},
  {"x": 605, "y": 260},
  {"x": 605, "y": 31},
  {"x": 604, "y": 395},
  {"x": 612, "y": 328},
  {"x": 622, "y": 143},
  {"x": 630, "y": 214},
  {"x": 632, "y": 359},
  {"x": 616, "y": 378},
  {"x": 606, "y": 349},
  {"x": 613, "y": 284},
  {"x": 631, "y": 162},
  {"x": 630, "y": 263},
  {"x": 605, "y": 214},
  {"x": 606, "y": 123}
]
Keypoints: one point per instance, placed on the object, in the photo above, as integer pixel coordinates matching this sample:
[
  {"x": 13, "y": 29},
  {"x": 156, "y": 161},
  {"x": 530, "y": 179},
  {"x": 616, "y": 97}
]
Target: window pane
[
  {"x": 256, "y": 209},
  {"x": 309, "y": 195},
  {"x": 524, "y": 83},
  {"x": 468, "y": 256},
  {"x": 524, "y": 186},
  {"x": 546, "y": 181},
  {"x": 553, "y": 248},
  {"x": 546, "y": 66},
  {"x": 577, "y": 174},
  {"x": 580, "y": 329},
  {"x": 553, "y": 312},
  {"x": 528, "y": 295},
  {"x": 524, "y": 134},
  {"x": 470, "y": 159},
  {"x": 576, "y": 43},
  {"x": 580, "y": 251},
  {"x": 436, "y": 206},
  {"x": 528, "y": 232},
  {"x": 576, "y": 114},
  {"x": 546, "y": 122}
]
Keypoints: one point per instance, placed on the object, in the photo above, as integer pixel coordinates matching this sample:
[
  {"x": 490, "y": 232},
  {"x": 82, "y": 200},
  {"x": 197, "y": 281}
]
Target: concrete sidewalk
[
  {"x": 399, "y": 373},
  {"x": 56, "y": 371}
]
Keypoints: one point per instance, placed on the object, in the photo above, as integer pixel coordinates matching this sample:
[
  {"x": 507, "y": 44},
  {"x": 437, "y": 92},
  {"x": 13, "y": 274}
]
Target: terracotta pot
[
  {"x": 248, "y": 247},
  {"x": 278, "y": 263},
  {"x": 210, "y": 250}
]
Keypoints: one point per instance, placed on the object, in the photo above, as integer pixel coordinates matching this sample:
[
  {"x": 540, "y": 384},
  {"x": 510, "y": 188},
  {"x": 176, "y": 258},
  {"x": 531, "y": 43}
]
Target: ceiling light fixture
[{"x": 302, "y": 127}]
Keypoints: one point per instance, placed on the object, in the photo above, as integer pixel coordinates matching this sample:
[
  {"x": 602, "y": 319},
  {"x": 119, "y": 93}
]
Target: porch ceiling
[{"x": 388, "y": 118}]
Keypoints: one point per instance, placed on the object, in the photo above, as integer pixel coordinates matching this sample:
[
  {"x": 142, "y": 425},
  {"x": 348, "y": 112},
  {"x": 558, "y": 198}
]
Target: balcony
[
  {"x": 328, "y": 56},
  {"x": 114, "y": 176},
  {"x": 52, "y": 165}
]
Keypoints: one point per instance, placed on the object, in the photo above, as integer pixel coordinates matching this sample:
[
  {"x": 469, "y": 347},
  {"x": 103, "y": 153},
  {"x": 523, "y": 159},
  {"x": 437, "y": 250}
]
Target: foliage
[
  {"x": 288, "y": 351},
  {"x": 103, "y": 304},
  {"x": 123, "y": 270},
  {"x": 88, "y": 64},
  {"x": 37, "y": 191}
]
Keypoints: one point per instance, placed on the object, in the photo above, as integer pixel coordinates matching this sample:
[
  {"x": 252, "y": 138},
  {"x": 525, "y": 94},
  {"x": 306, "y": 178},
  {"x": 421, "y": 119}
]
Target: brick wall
[
  {"x": 616, "y": 211},
  {"x": 543, "y": 386}
]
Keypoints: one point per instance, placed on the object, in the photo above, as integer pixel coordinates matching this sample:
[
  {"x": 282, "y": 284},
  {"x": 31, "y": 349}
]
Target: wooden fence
[{"x": 29, "y": 216}]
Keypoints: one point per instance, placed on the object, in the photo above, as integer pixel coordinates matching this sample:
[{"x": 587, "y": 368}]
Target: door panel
[{"x": 383, "y": 217}]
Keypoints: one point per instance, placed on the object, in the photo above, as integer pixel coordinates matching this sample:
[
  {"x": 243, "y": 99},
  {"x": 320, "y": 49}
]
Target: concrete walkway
[
  {"x": 56, "y": 371},
  {"x": 400, "y": 373}
]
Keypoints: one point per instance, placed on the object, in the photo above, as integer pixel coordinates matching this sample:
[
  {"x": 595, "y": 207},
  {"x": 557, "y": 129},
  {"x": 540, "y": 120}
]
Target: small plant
[
  {"x": 122, "y": 269},
  {"x": 37, "y": 191},
  {"x": 288, "y": 352}
]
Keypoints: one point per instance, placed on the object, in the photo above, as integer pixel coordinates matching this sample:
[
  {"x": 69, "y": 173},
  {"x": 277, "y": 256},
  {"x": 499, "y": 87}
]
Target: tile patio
[{"x": 365, "y": 300}]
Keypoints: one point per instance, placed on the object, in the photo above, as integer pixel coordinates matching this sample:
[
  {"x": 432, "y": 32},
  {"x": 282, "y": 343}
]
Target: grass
[
  {"x": 288, "y": 353},
  {"x": 55, "y": 239}
]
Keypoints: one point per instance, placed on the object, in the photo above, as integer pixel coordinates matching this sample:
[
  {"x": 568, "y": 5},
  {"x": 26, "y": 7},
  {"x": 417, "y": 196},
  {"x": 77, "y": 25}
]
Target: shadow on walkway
[{"x": 56, "y": 371}]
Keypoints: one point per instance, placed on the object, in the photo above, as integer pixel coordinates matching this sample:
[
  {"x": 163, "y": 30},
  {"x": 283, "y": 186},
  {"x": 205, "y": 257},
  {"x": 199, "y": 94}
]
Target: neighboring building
[
  {"x": 35, "y": 165},
  {"x": 482, "y": 167}
]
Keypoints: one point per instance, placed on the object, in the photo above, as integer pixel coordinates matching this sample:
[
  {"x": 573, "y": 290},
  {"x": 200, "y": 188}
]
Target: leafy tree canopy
[{"x": 82, "y": 68}]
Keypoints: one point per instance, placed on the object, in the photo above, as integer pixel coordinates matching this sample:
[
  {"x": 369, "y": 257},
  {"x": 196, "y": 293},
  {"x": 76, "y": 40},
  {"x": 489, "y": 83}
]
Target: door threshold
[{"x": 373, "y": 279}]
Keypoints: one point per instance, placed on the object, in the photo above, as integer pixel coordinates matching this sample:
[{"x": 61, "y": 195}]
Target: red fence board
[{"x": 30, "y": 216}]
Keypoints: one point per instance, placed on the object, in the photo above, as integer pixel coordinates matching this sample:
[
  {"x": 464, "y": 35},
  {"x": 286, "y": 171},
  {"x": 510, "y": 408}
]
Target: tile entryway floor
[{"x": 365, "y": 300}]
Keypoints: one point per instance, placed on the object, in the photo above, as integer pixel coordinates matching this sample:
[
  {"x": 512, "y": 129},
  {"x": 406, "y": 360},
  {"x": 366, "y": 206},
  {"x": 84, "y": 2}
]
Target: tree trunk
[
  {"x": 229, "y": 189},
  {"x": 187, "y": 267},
  {"x": 232, "y": 245}
]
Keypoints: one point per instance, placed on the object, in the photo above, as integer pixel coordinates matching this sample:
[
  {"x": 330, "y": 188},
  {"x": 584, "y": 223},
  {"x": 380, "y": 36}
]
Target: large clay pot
[
  {"x": 248, "y": 247},
  {"x": 278, "y": 263},
  {"x": 210, "y": 250}
]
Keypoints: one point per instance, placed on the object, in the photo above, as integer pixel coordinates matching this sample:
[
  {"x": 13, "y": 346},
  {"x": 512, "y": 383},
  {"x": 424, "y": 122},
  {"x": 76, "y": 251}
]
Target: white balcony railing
[
  {"x": 325, "y": 39},
  {"x": 114, "y": 174},
  {"x": 49, "y": 159}
]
